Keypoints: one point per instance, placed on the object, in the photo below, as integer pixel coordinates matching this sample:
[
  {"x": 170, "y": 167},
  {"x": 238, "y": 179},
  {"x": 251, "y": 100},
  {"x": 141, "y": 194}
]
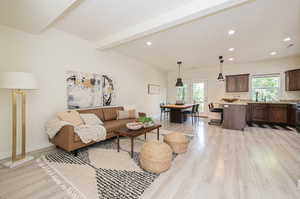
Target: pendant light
[
  {"x": 179, "y": 82},
  {"x": 220, "y": 76}
]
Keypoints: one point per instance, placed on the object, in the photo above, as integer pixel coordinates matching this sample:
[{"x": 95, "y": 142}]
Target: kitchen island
[
  {"x": 238, "y": 114},
  {"x": 234, "y": 115}
]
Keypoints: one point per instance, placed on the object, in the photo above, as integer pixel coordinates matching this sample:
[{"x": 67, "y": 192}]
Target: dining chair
[{"x": 164, "y": 111}]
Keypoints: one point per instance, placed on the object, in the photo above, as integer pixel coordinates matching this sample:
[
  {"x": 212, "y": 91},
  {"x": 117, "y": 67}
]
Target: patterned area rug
[{"x": 100, "y": 172}]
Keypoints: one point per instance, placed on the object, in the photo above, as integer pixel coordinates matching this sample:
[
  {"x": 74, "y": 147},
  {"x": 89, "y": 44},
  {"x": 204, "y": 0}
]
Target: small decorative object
[
  {"x": 108, "y": 94},
  {"x": 83, "y": 90},
  {"x": 220, "y": 76},
  {"x": 179, "y": 82},
  {"x": 153, "y": 89},
  {"x": 155, "y": 156},
  {"x": 230, "y": 100},
  {"x": 146, "y": 121},
  {"x": 134, "y": 125},
  {"x": 177, "y": 141}
]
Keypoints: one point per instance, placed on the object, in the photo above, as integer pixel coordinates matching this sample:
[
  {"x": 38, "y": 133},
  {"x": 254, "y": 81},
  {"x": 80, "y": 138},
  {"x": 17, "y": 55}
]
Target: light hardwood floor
[{"x": 221, "y": 164}]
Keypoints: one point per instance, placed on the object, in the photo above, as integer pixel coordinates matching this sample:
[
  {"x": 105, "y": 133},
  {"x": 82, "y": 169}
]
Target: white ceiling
[
  {"x": 194, "y": 31},
  {"x": 32, "y": 15},
  {"x": 260, "y": 28},
  {"x": 97, "y": 19}
]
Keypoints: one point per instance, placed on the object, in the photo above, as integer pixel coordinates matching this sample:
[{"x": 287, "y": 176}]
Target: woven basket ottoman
[
  {"x": 155, "y": 156},
  {"x": 177, "y": 141}
]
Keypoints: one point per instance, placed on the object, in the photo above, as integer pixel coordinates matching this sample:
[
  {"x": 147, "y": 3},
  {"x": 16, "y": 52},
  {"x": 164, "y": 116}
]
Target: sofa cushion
[
  {"x": 111, "y": 113},
  {"x": 126, "y": 114},
  {"x": 116, "y": 124},
  {"x": 97, "y": 112},
  {"x": 72, "y": 117}
]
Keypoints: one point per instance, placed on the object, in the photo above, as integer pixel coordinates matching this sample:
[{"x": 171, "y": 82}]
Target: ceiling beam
[{"x": 193, "y": 11}]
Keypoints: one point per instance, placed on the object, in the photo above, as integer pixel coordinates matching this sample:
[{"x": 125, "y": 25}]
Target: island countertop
[{"x": 246, "y": 102}]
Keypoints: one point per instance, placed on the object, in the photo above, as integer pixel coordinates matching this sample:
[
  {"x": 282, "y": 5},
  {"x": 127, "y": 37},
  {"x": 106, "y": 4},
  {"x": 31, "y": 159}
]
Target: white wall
[
  {"x": 49, "y": 56},
  {"x": 216, "y": 89}
]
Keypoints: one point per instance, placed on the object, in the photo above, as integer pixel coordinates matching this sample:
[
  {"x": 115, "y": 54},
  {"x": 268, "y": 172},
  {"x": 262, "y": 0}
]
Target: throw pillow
[
  {"x": 127, "y": 114},
  {"x": 90, "y": 119},
  {"x": 72, "y": 117}
]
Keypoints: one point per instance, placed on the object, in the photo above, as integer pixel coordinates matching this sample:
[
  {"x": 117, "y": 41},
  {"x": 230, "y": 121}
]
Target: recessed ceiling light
[
  {"x": 231, "y": 49},
  {"x": 149, "y": 43},
  {"x": 273, "y": 53},
  {"x": 231, "y": 59},
  {"x": 287, "y": 39},
  {"x": 231, "y": 32}
]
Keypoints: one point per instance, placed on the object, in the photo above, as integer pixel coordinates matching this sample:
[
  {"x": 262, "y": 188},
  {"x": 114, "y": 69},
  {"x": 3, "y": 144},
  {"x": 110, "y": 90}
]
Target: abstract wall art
[
  {"x": 84, "y": 90},
  {"x": 108, "y": 91}
]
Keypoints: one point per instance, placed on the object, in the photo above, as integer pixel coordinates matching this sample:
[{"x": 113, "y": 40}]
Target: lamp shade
[{"x": 17, "y": 80}]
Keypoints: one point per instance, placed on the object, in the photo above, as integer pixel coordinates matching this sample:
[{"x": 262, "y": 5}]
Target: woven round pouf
[
  {"x": 177, "y": 141},
  {"x": 155, "y": 156}
]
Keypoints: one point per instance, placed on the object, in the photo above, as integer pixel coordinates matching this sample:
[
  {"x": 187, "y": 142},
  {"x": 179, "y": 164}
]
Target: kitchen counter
[{"x": 246, "y": 102}]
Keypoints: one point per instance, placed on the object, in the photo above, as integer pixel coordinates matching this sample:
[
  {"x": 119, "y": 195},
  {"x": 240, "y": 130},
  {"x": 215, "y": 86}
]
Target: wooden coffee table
[{"x": 135, "y": 133}]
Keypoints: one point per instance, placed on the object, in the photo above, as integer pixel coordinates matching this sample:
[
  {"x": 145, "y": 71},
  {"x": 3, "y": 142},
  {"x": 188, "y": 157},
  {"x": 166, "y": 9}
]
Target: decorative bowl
[
  {"x": 134, "y": 125},
  {"x": 230, "y": 100}
]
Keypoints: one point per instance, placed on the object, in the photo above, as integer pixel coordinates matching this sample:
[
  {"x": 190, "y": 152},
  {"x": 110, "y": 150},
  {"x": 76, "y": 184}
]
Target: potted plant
[{"x": 147, "y": 121}]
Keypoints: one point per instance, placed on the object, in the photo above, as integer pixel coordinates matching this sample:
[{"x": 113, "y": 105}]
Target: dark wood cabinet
[
  {"x": 237, "y": 83},
  {"x": 271, "y": 113},
  {"x": 278, "y": 113},
  {"x": 259, "y": 112},
  {"x": 292, "y": 80},
  {"x": 291, "y": 114}
]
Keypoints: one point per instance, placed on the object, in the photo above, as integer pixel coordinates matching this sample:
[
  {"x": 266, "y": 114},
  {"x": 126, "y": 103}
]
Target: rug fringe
[{"x": 60, "y": 180}]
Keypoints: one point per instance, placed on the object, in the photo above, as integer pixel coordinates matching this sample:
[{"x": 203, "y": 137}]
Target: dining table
[{"x": 177, "y": 112}]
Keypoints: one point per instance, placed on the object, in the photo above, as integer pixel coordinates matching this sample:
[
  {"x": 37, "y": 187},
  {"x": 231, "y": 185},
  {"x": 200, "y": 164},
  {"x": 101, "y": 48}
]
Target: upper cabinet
[
  {"x": 292, "y": 80},
  {"x": 237, "y": 83}
]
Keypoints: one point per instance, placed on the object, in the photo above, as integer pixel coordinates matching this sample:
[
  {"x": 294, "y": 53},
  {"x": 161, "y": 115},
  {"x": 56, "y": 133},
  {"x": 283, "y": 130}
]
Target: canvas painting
[
  {"x": 108, "y": 89},
  {"x": 84, "y": 90}
]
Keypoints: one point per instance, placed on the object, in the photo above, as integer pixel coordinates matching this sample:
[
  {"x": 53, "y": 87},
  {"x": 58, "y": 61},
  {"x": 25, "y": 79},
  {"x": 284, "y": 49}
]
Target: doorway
[
  {"x": 199, "y": 96},
  {"x": 194, "y": 92}
]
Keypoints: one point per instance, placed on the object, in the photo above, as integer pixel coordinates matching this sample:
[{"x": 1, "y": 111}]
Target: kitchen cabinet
[
  {"x": 291, "y": 114},
  {"x": 271, "y": 113},
  {"x": 259, "y": 112},
  {"x": 292, "y": 80},
  {"x": 237, "y": 83},
  {"x": 278, "y": 113}
]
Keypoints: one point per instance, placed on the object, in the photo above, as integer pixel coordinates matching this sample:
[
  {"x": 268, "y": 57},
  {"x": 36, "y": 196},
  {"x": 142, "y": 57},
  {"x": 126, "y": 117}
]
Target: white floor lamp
[{"x": 18, "y": 83}]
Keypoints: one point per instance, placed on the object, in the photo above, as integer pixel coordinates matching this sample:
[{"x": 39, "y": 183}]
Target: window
[
  {"x": 181, "y": 93},
  {"x": 266, "y": 87}
]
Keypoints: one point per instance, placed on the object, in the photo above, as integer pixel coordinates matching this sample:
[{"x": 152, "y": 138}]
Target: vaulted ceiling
[{"x": 194, "y": 31}]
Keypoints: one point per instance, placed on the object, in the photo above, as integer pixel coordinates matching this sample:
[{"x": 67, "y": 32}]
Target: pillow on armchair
[{"x": 72, "y": 117}]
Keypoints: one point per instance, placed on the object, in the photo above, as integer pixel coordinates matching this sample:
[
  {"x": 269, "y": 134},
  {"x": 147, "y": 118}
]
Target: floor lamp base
[{"x": 11, "y": 164}]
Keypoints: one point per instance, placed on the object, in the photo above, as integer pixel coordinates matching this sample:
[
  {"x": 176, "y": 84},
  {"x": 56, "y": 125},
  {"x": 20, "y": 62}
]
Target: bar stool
[{"x": 215, "y": 110}]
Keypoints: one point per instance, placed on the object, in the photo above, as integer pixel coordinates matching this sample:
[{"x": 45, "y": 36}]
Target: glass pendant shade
[
  {"x": 179, "y": 82},
  {"x": 220, "y": 77}
]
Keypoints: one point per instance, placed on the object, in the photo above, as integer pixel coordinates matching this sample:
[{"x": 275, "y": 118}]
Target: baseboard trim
[{"x": 34, "y": 153}]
